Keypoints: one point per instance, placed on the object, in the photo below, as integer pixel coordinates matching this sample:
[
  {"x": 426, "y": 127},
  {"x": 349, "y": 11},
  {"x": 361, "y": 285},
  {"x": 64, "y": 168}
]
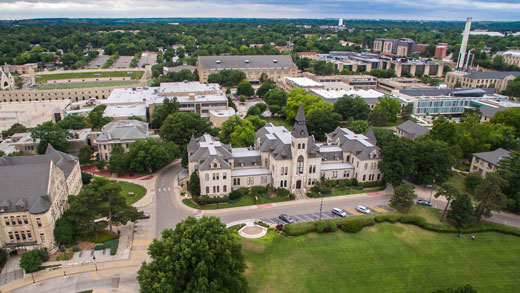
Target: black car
[
  {"x": 424, "y": 202},
  {"x": 144, "y": 216},
  {"x": 287, "y": 219}
]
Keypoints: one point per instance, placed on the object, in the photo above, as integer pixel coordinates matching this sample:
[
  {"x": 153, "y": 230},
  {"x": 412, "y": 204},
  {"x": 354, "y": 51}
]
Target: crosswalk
[{"x": 309, "y": 217}]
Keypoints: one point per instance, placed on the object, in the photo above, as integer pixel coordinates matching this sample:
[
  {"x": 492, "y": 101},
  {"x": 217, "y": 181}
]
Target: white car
[
  {"x": 339, "y": 212},
  {"x": 364, "y": 210}
]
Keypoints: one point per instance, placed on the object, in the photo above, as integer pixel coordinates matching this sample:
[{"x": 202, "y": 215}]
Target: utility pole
[
  {"x": 431, "y": 191},
  {"x": 321, "y": 205}
]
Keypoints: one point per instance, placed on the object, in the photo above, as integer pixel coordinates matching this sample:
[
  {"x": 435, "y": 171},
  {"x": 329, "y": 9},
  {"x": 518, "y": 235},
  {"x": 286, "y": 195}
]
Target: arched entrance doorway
[{"x": 298, "y": 184}]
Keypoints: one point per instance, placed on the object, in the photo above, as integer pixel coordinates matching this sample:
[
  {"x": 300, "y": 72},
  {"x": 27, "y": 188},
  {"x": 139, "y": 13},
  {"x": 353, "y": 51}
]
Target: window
[
  {"x": 286, "y": 170},
  {"x": 17, "y": 236},
  {"x": 224, "y": 175},
  {"x": 224, "y": 188},
  {"x": 236, "y": 181},
  {"x": 218, "y": 189},
  {"x": 25, "y": 220},
  {"x": 299, "y": 165},
  {"x": 42, "y": 237},
  {"x": 364, "y": 177},
  {"x": 38, "y": 222},
  {"x": 299, "y": 146},
  {"x": 19, "y": 220},
  {"x": 345, "y": 174},
  {"x": 309, "y": 181},
  {"x": 213, "y": 176},
  {"x": 13, "y": 221},
  {"x": 303, "y": 146},
  {"x": 310, "y": 168},
  {"x": 11, "y": 236},
  {"x": 282, "y": 169},
  {"x": 366, "y": 166},
  {"x": 214, "y": 189},
  {"x": 250, "y": 180},
  {"x": 23, "y": 235},
  {"x": 206, "y": 176},
  {"x": 281, "y": 183},
  {"x": 285, "y": 183},
  {"x": 378, "y": 176},
  {"x": 215, "y": 165},
  {"x": 207, "y": 189},
  {"x": 6, "y": 220},
  {"x": 29, "y": 235}
]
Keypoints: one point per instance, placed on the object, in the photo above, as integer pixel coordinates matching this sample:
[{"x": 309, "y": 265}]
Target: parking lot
[
  {"x": 326, "y": 214},
  {"x": 147, "y": 58},
  {"x": 99, "y": 61},
  {"x": 122, "y": 62}
]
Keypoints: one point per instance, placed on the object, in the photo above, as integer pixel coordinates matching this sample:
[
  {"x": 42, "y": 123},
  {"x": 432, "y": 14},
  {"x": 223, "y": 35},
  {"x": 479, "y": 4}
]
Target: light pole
[
  {"x": 431, "y": 191},
  {"x": 32, "y": 275},
  {"x": 321, "y": 204},
  {"x": 95, "y": 263}
]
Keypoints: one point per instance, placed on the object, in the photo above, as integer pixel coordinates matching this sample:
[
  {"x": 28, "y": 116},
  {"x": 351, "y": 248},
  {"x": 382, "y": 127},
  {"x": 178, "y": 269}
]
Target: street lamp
[
  {"x": 32, "y": 277},
  {"x": 95, "y": 263},
  {"x": 321, "y": 204},
  {"x": 431, "y": 191}
]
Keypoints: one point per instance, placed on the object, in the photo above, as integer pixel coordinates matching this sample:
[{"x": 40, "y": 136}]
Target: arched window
[
  {"x": 215, "y": 165},
  {"x": 224, "y": 189},
  {"x": 303, "y": 146},
  {"x": 207, "y": 189},
  {"x": 299, "y": 165},
  {"x": 299, "y": 146}
]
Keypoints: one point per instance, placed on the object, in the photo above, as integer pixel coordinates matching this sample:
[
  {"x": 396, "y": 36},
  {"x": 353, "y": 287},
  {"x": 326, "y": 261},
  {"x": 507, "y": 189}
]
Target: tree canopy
[
  {"x": 49, "y": 133},
  {"x": 180, "y": 126},
  {"x": 310, "y": 103},
  {"x": 353, "y": 107}
]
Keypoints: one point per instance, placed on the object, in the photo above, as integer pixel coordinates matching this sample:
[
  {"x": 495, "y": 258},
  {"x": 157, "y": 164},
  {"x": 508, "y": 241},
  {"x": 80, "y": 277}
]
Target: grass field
[
  {"x": 244, "y": 201},
  {"x": 458, "y": 180},
  {"x": 85, "y": 85},
  {"x": 383, "y": 258},
  {"x": 127, "y": 187},
  {"x": 279, "y": 122},
  {"x": 88, "y": 74},
  {"x": 337, "y": 191}
]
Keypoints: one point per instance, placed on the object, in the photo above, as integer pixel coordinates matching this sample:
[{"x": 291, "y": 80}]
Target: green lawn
[
  {"x": 383, "y": 258},
  {"x": 458, "y": 180},
  {"x": 88, "y": 74},
  {"x": 244, "y": 201},
  {"x": 85, "y": 85},
  {"x": 338, "y": 191},
  {"x": 279, "y": 122},
  {"x": 127, "y": 187}
]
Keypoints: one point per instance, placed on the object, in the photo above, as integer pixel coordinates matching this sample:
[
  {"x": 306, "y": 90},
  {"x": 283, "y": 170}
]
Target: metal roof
[{"x": 246, "y": 62}]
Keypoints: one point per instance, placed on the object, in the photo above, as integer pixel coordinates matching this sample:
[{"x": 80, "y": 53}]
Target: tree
[
  {"x": 50, "y": 133},
  {"x": 398, "y": 160},
  {"x": 161, "y": 112},
  {"x": 275, "y": 109},
  {"x": 359, "y": 126},
  {"x": 63, "y": 231},
  {"x": 489, "y": 195},
  {"x": 254, "y": 111},
  {"x": 74, "y": 122},
  {"x": 264, "y": 89},
  {"x": 256, "y": 121},
  {"x": 378, "y": 117},
  {"x": 403, "y": 197},
  {"x": 352, "y": 106},
  {"x": 211, "y": 260},
  {"x": 242, "y": 99},
  {"x": 118, "y": 162},
  {"x": 310, "y": 103},
  {"x": 100, "y": 165},
  {"x": 276, "y": 97},
  {"x": 96, "y": 119},
  {"x": 86, "y": 178},
  {"x": 391, "y": 106},
  {"x": 321, "y": 122},
  {"x": 509, "y": 170},
  {"x": 510, "y": 117},
  {"x": 462, "y": 212},
  {"x": 261, "y": 106},
  {"x": 513, "y": 88},
  {"x": 3, "y": 257},
  {"x": 151, "y": 154},
  {"x": 85, "y": 154},
  {"x": 472, "y": 180},
  {"x": 194, "y": 184},
  {"x": 15, "y": 128},
  {"x": 180, "y": 126},
  {"x": 243, "y": 134},
  {"x": 450, "y": 192},
  {"x": 30, "y": 261},
  {"x": 228, "y": 127},
  {"x": 245, "y": 88},
  {"x": 434, "y": 160}
]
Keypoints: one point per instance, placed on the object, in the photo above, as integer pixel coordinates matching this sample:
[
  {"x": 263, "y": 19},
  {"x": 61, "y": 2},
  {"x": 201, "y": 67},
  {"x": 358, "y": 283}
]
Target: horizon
[{"x": 427, "y": 10}]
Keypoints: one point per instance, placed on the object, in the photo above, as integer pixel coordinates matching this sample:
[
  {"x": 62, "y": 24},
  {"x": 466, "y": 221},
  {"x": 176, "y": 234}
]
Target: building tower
[
  {"x": 340, "y": 23},
  {"x": 6, "y": 80},
  {"x": 464, "y": 44},
  {"x": 299, "y": 149}
]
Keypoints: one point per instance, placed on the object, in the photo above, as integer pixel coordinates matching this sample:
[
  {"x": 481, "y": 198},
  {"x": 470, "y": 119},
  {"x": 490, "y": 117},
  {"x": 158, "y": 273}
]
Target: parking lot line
[
  {"x": 378, "y": 209},
  {"x": 299, "y": 219},
  {"x": 354, "y": 212},
  {"x": 267, "y": 221},
  {"x": 387, "y": 208},
  {"x": 307, "y": 218}
]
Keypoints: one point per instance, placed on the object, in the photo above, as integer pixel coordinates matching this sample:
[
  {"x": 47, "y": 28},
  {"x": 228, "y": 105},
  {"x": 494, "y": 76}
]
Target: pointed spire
[
  {"x": 371, "y": 136},
  {"x": 300, "y": 116}
]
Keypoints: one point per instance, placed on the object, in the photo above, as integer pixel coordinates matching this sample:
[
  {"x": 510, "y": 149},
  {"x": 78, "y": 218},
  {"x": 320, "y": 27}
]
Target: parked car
[
  {"x": 144, "y": 216},
  {"x": 287, "y": 219},
  {"x": 339, "y": 212},
  {"x": 363, "y": 210},
  {"x": 424, "y": 202}
]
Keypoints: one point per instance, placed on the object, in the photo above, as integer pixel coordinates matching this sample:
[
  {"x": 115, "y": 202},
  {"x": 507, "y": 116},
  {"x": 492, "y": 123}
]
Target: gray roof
[
  {"x": 206, "y": 148},
  {"x": 246, "y": 61},
  {"x": 371, "y": 136},
  {"x": 412, "y": 129},
  {"x": 493, "y": 157},
  {"x": 489, "y": 111},
  {"x": 358, "y": 144},
  {"x": 491, "y": 75},
  {"x": 433, "y": 92},
  {"x": 17, "y": 193},
  {"x": 300, "y": 129},
  {"x": 182, "y": 67},
  {"x": 124, "y": 130}
]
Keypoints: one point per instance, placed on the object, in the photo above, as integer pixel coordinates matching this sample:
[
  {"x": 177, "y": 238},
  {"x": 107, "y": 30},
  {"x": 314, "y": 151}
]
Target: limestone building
[
  {"x": 33, "y": 195},
  {"x": 282, "y": 158},
  {"x": 487, "y": 162},
  {"x": 479, "y": 79},
  {"x": 274, "y": 66},
  {"x": 119, "y": 133}
]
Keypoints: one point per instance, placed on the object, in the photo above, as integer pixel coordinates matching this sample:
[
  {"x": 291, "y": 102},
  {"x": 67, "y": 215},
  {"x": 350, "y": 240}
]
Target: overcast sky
[{"x": 389, "y": 9}]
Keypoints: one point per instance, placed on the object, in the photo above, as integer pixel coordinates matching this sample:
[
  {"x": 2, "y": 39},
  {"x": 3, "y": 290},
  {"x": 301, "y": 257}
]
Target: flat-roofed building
[
  {"x": 288, "y": 83},
  {"x": 388, "y": 85},
  {"x": 488, "y": 109},
  {"x": 480, "y": 79},
  {"x": 30, "y": 207},
  {"x": 371, "y": 97},
  {"x": 357, "y": 82},
  {"x": 511, "y": 57},
  {"x": 440, "y": 50},
  {"x": 487, "y": 162},
  {"x": 274, "y": 66},
  {"x": 399, "y": 47}
]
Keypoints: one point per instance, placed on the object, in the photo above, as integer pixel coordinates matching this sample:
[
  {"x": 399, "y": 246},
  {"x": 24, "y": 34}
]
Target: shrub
[
  {"x": 326, "y": 226},
  {"x": 62, "y": 249},
  {"x": 109, "y": 244},
  {"x": 354, "y": 182},
  {"x": 44, "y": 255},
  {"x": 113, "y": 248},
  {"x": 260, "y": 223},
  {"x": 65, "y": 256},
  {"x": 387, "y": 218},
  {"x": 236, "y": 227},
  {"x": 279, "y": 227},
  {"x": 354, "y": 226},
  {"x": 291, "y": 196},
  {"x": 299, "y": 228},
  {"x": 75, "y": 249},
  {"x": 342, "y": 184},
  {"x": 371, "y": 184},
  {"x": 258, "y": 190},
  {"x": 3, "y": 257},
  {"x": 281, "y": 192},
  {"x": 102, "y": 238},
  {"x": 203, "y": 200},
  {"x": 235, "y": 194}
]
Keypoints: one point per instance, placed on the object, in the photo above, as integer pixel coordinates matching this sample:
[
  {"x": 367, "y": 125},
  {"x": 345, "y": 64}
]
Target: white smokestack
[
  {"x": 340, "y": 22},
  {"x": 464, "y": 44}
]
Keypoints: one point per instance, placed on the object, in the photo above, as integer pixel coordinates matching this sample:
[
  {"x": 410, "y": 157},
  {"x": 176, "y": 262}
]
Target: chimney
[{"x": 464, "y": 44}]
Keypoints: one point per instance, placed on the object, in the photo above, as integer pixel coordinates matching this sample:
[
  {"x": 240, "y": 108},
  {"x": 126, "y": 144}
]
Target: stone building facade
[{"x": 283, "y": 159}]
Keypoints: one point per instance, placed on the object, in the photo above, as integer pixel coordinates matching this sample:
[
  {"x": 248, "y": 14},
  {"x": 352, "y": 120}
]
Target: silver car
[
  {"x": 364, "y": 210},
  {"x": 339, "y": 212}
]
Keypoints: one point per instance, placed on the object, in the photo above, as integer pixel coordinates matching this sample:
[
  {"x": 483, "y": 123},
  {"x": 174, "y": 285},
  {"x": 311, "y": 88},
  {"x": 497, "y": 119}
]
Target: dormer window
[{"x": 215, "y": 165}]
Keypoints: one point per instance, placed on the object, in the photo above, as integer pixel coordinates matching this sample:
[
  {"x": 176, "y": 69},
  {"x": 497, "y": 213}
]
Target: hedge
[
  {"x": 112, "y": 245},
  {"x": 354, "y": 225},
  {"x": 103, "y": 238}
]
